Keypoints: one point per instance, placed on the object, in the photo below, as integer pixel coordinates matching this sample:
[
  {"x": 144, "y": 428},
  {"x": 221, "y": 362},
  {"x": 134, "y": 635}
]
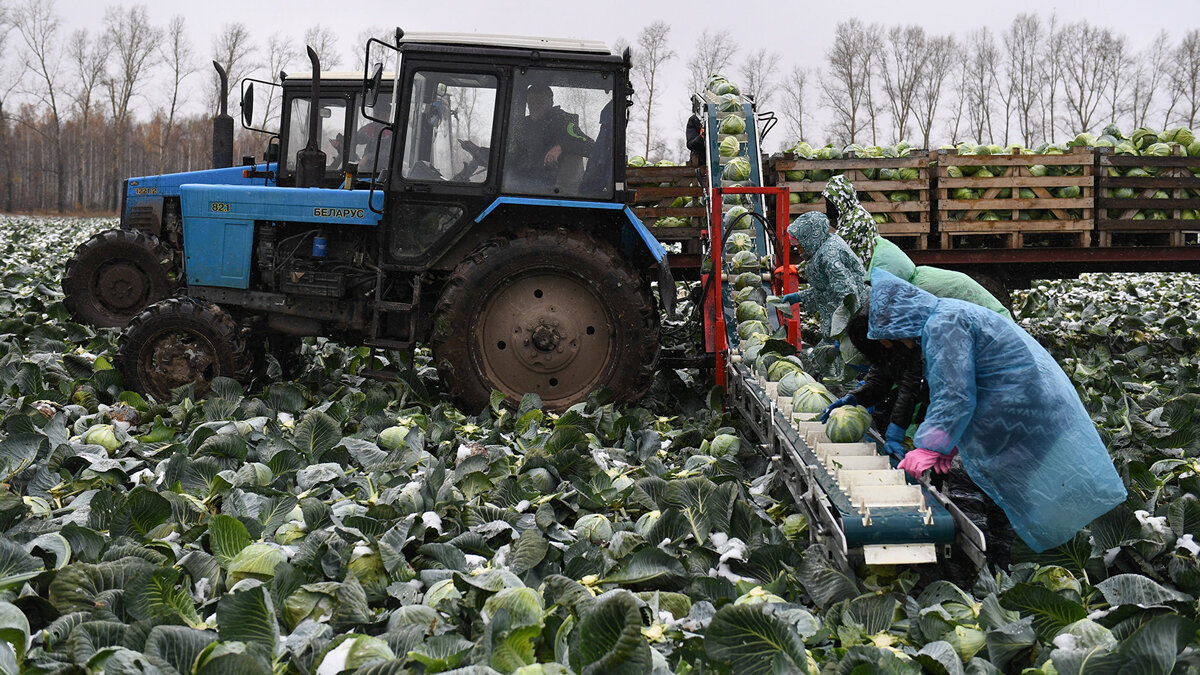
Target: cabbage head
[
  {"x": 733, "y": 124},
  {"x": 750, "y": 310},
  {"x": 744, "y": 261},
  {"x": 737, "y": 169},
  {"x": 1158, "y": 150},
  {"x": 730, "y": 147}
]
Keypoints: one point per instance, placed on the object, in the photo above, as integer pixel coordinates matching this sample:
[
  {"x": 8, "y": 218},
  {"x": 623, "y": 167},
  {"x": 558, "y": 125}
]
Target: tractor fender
[{"x": 634, "y": 234}]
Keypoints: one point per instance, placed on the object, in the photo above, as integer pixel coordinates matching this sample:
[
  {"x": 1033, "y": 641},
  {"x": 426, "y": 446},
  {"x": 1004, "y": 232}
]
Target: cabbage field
[{"x": 334, "y": 524}]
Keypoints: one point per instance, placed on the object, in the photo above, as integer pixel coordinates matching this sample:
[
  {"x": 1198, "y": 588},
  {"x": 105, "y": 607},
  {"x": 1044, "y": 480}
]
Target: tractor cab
[
  {"x": 487, "y": 118},
  {"x": 348, "y": 128}
]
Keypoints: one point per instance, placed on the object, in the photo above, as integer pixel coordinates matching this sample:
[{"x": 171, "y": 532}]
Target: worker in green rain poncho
[
  {"x": 849, "y": 219},
  {"x": 940, "y": 282},
  {"x": 1000, "y": 401},
  {"x": 836, "y": 277}
]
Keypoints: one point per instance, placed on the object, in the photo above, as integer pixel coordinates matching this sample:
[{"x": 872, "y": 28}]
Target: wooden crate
[
  {"x": 958, "y": 220},
  {"x": 1115, "y": 222},
  {"x": 908, "y": 222},
  {"x": 655, "y": 188}
]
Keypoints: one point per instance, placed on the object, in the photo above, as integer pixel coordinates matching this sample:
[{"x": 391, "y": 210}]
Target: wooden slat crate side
[
  {"x": 659, "y": 174},
  {"x": 1173, "y": 176},
  {"x": 961, "y": 216},
  {"x": 873, "y": 194}
]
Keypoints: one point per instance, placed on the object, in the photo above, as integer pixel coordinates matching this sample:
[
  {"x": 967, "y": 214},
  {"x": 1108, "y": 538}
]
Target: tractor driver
[{"x": 548, "y": 146}]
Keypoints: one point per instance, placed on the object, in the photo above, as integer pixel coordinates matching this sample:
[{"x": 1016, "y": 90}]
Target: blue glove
[
  {"x": 895, "y": 440},
  {"x": 848, "y": 399},
  {"x": 791, "y": 298}
]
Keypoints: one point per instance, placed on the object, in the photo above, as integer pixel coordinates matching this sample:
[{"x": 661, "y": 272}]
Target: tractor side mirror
[
  {"x": 248, "y": 104},
  {"x": 373, "y": 86}
]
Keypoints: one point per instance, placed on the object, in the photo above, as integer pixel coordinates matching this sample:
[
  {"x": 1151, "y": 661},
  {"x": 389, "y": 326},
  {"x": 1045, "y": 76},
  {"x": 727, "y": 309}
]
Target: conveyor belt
[{"x": 859, "y": 505}]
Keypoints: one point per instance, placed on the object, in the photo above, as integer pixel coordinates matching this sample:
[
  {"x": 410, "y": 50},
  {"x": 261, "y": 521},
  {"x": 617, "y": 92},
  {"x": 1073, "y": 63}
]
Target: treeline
[
  {"x": 1037, "y": 80},
  {"x": 69, "y": 134}
]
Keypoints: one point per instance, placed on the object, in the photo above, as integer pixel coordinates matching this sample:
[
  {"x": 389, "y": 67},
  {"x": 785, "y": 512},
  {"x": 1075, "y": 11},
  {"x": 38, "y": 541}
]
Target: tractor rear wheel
[
  {"x": 555, "y": 313},
  {"x": 114, "y": 275},
  {"x": 181, "y": 341}
]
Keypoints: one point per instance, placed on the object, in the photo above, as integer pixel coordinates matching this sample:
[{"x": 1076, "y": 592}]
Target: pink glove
[{"x": 920, "y": 460}]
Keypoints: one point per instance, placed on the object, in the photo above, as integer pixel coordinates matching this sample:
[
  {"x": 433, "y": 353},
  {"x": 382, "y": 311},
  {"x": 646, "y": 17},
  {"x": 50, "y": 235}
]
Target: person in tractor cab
[
  {"x": 836, "y": 277},
  {"x": 849, "y": 219},
  {"x": 549, "y": 144},
  {"x": 1000, "y": 402}
]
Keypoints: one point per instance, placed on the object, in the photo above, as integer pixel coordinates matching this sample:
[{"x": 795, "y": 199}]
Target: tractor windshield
[
  {"x": 330, "y": 134},
  {"x": 450, "y": 123},
  {"x": 560, "y": 139}
]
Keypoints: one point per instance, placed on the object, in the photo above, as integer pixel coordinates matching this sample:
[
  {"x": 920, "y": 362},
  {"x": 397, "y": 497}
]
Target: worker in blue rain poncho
[
  {"x": 836, "y": 277},
  {"x": 849, "y": 219},
  {"x": 1001, "y": 401}
]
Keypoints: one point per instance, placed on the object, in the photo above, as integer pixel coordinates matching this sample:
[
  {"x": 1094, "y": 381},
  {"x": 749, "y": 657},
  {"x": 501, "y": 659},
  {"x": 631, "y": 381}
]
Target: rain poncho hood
[
  {"x": 855, "y": 225},
  {"x": 833, "y": 271},
  {"x": 1002, "y": 400}
]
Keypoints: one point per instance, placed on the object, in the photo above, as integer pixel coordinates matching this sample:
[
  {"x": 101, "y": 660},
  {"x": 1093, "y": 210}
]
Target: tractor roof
[{"x": 514, "y": 41}]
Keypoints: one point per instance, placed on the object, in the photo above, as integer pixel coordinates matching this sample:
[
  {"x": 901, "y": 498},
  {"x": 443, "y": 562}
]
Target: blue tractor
[
  {"x": 116, "y": 273},
  {"x": 476, "y": 204}
]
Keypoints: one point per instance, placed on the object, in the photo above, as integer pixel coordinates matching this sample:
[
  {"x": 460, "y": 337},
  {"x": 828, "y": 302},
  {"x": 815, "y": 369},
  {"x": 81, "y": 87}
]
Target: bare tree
[
  {"x": 758, "y": 75},
  {"x": 1185, "y": 77},
  {"x": 795, "y": 104},
  {"x": 134, "y": 41},
  {"x": 324, "y": 42},
  {"x": 1151, "y": 67},
  {"x": 901, "y": 68},
  {"x": 981, "y": 64},
  {"x": 1051, "y": 73},
  {"x": 1086, "y": 69},
  {"x": 847, "y": 81},
  {"x": 714, "y": 52},
  {"x": 378, "y": 53},
  {"x": 1022, "y": 42},
  {"x": 282, "y": 54},
  {"x": 962, "y": 88},
  {"x": 179, "y": 58},
  {"x": 1121, "y": 64},
  {"x": 89, "y": 61},
  {"x": 940, "y": 60},
  {"x": 38, "y": 23},
  {"x": 651, "y": 53},
  {"x": 233, "y": 51}
]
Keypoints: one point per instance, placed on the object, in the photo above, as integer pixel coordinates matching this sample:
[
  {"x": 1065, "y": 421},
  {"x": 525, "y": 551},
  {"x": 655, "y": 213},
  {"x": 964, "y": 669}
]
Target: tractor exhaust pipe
[
  {"x": 310, "y": 160},
  {"x": 222, "y": 148}
]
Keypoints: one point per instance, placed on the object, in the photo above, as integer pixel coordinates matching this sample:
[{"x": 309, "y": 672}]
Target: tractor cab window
[
  {"x": 331, "y": 120},
  {"x": 367, "y": 137},
  {"x": 560, "y": 139},
  {"x": 450, "y": 124}
]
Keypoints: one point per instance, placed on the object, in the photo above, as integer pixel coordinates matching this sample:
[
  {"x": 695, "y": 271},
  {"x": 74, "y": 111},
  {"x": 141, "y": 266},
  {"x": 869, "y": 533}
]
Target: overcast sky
[{"x": 800, "y": 30}]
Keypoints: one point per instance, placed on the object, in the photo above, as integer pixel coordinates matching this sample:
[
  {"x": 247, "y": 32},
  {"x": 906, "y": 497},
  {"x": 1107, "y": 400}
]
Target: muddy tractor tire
[
  {"x": 114, "y": 275},
  {"x": 556, "y": 313},
  {"x": 181, "y": 341}
]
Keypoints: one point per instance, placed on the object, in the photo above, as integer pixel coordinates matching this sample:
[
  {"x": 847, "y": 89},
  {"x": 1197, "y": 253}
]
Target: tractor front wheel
[
  {"x": 181, "y": 341},
  {"x": 114, "y": 275},
  {"x": 556, "y": 313}
]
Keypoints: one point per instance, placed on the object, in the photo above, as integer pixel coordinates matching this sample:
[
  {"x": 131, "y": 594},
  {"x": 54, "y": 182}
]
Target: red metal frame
[{"x": 783, "y": 280}]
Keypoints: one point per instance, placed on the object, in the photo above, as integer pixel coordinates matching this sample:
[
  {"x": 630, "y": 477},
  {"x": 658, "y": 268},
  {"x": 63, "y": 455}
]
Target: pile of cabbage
[
  {"x": 810, "y": 193},
  {"x": 1145, "y": 142}
]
